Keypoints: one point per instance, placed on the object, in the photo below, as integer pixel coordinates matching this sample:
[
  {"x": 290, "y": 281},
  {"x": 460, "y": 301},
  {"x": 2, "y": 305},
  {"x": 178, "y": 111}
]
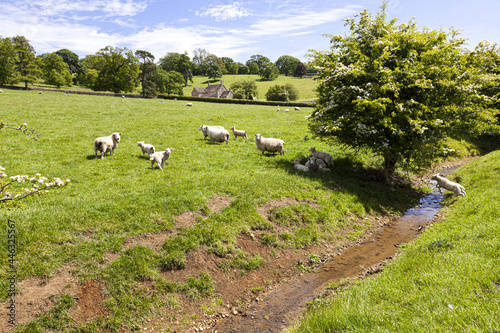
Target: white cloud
[{"x": 225, "y": 12}]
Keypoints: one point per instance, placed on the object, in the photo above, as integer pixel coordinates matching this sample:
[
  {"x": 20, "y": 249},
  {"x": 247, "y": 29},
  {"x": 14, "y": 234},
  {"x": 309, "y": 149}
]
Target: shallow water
[{"x": 279, "y": 308}]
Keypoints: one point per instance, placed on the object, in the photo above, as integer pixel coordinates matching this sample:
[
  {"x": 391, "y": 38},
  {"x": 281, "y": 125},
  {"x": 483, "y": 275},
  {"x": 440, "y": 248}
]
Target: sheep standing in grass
[
  {"x": 106, "y": 144},
  {"x": 442, "y": 182},
  {"x": 189, "y": 104},
  {"x": 146, "y": 148},
  {"x": 238, "y": 133},
  {"x": 203, "y": 129},
  {"x": 160, "y": 157},
  {"x": 299, "y": 166},
  {"x": 269, "y": 144},
  {"x": 216, "y": 134},
  {"x": 321, "y": 155},
  {"x": 297, "y": 108}
]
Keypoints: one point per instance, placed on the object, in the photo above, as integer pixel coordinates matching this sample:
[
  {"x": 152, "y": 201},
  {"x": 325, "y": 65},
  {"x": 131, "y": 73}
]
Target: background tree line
[{"x": 121, "y": 70}]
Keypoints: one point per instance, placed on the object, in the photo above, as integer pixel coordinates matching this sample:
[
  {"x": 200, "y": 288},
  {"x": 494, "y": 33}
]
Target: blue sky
[{"x": 236, "y": 29}]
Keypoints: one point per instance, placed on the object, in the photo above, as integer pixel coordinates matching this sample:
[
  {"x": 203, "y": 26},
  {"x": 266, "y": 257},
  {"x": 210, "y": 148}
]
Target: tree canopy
[{"x": 397, "y": 91}]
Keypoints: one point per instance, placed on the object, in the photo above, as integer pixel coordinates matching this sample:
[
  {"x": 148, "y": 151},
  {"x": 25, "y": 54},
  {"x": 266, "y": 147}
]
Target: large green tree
[
  {"x": 286, "y": 64},
  {"x": 113, "y": 69},
  {"x": 244, "y": 89},
  {"x": 25, "y": 66},
  {"x": 148, "y": 72},
  {"x": 397, "y": 90},
  {"x": 7, "y": 60},
  {"x": 54, "y": 70}
]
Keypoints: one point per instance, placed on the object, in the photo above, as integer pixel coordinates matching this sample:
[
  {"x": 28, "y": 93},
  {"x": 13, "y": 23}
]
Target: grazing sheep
[
  {"x": 160, "y": 157},
  {"x": 1, "y": 91},
  {"x": 269, "y": 144},
  {"x": 189, "y": 104},
  {"x": 299, "y": 166},
  {"x": 146, "y": 148},
  {"x": 106, "y": 144},
  {"x": 287, "y": 110},
  {"x": 297, "y": 108},
  {"x": 237, "y": 133},
  {"x": 203, "y": 129},
  {"x": 321, "y": 155},
  {"x": 442, "y": 182},
  {"x": 216, "y": 134},
  {"x": 278, "y": 109}
]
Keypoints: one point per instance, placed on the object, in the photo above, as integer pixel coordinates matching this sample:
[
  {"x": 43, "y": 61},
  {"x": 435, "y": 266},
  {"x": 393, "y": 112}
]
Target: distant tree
[
  {"x": 253, "y": 68},
  {"x": 184, "y": 67},
  {"x": 300, "y": 70},
  {"x": 397, "y": 91},
  {"x": 232, "y": 68},
  {"x": 244, "y": 89},
  {"x": 116, "y": 68},
  {"x": 228, "y": 62},
  {"x": 54, "y": 70},
  {"x": 199, "y": 58},
  {"x": 169, "y": 62},
  {"x": 214, "y": 71},
  {"x": 243, "y": 69},
  {"x": 171, "y": 83},
  {"x": 7, "y": 60},
  {"x": 259, "y": 60},
  {"x": 282, "y": 93},
  {"x": 269, "y": 72},
  {"x": 25, "y": 66},
  {"x": 71, "y": 59},
  {"x": 287, "y": 64},
  {"x": 148, "y": 71}
]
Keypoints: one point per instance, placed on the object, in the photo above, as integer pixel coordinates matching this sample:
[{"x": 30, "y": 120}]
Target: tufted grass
[{"x": 446, "y": 281}]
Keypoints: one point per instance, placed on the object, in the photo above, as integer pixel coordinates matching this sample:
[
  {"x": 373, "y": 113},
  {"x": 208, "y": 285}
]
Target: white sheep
[
  {"x": 203, "y": 129},
  {"x": 160, "y": 157},
  {"x": 442, "y": 182},
  {"x": 299, "y": 166},
  {"x": 321, "y": 155},
  {"x": 317, "y": 165},
  {"x": 106, "y": 144},
  {"x": 1, "y": 91},
  {"x": 146, "y": 148},
  {"x": 278, "y": 109},
  {"x": 287, "y": 110},
  {"x": 297, "y": 108},
  {"x": 216, "y": 134},
  {"x": 269, "y": 144},
  {"x": 238, "y": 133},
  {"x": 189, "y": 104}
]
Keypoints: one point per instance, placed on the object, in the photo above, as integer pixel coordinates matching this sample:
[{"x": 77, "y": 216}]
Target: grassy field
[
  {"x": 306, "y": 87},
  {"x": 109, "y": 201},
  {"x": 446, "y": 281}
]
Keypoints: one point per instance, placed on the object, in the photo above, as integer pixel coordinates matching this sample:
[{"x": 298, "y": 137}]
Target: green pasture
[
  {"x": 110, "y": 200},
  {"x": 446, "y": 281}
]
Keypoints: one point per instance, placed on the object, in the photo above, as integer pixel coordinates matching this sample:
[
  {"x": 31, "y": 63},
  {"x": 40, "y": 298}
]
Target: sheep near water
[
  {"x": 442, "y": 182},
  {"x": 321, "y": 155},
  {"x": 203, "y": 129},
  {"x": 238, "y": 133},
  {"x": 160, "y": 157},
  {"x": 146, "y": 148},
  {"x": 106, "y": 144},
  {"x": 269, "y": 144}
]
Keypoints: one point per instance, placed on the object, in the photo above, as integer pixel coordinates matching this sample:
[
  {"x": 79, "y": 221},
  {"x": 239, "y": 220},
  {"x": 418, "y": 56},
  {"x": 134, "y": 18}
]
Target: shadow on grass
[{"x": 367, "y": 184}]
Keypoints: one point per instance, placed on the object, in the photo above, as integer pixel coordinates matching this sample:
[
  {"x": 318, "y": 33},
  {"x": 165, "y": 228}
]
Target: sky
[{"x": 226, "y": 28}]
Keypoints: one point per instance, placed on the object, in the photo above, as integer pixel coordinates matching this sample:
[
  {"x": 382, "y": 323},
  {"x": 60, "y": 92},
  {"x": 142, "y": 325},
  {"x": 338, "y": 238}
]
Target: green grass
[
  {"x": 110, "y": 200},
  {"x": 306, "y": 86},
  {"x": 446, "y": 281}
]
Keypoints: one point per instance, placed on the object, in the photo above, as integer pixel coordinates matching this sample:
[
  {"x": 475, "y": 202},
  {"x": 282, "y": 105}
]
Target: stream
[{"x": 279, "y": 308}]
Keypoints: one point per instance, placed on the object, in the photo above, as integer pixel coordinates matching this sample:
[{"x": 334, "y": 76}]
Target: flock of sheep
[{"x": 317, "y": 163}]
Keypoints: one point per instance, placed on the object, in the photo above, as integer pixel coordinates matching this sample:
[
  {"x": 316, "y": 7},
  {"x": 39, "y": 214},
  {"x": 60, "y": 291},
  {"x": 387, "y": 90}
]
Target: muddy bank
[{"x": 277, "y": 309}]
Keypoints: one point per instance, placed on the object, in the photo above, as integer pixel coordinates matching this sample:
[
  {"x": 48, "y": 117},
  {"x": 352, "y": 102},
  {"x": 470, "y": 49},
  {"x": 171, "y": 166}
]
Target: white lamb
[
  {"x": 189, "y": 104},
  {"x": 317, "y": 165},
  {"x": 321, "y": 155},
  {"x": 217, "y": 134},
  {"x": 160, "y": 157},
  {"x": 106, "y": 144},
  {"x": 203, "y": 129},
  {"x": 297, "y": 108},
  {"x": 269, "y": 144},
  {"x": 299, "y": 166},
  {"x": 238, "y": 133},
  {"x": 146, "y": 148},
  {"x": 442, "y": 182}
]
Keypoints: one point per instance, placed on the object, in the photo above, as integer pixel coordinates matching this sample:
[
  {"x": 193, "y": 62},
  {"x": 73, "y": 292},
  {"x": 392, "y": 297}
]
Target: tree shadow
[{"x": 367, "y": 184}]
